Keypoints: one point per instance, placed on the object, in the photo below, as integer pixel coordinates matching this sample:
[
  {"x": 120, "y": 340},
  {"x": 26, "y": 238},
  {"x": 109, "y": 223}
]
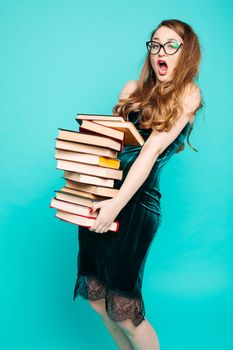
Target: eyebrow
[{"x": 167, "y": 39}]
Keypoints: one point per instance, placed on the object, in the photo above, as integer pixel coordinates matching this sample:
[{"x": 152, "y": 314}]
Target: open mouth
[{"x": 162, "y": 67}]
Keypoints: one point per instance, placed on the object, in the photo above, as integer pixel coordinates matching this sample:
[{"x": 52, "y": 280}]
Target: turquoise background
[{"x": 59, "y": 58}]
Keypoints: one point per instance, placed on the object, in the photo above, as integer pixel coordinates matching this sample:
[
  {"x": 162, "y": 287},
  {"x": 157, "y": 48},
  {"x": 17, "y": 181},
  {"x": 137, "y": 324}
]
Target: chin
[{"x": 162, "y": 79}]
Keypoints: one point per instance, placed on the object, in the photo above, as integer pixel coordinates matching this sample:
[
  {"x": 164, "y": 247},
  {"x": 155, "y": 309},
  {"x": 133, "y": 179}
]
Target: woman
[{"x": 162, "y": 106}]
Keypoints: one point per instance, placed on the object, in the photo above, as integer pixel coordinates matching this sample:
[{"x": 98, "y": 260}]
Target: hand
[
  {"x": 192, "y": 99},
  {"x": 107, "y": 214}
]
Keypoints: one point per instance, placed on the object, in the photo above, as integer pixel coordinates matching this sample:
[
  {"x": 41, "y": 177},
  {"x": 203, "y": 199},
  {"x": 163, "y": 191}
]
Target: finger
[
  {"x": 100, "y": 228},
  {"x": 92, "y": 209},
  {"x": 96, "y": 224},
  {"x": 92, "y": 227},
  {"x": 99, "y": 223},
  {"x": 96, "y": 206},
  {"x": 106, "y": 227},
  {"x": 103, "y": 230}
]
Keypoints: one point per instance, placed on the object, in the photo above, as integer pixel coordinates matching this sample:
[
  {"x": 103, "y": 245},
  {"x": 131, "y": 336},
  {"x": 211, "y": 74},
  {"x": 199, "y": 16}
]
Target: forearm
[{"x": 136, "y": 176}]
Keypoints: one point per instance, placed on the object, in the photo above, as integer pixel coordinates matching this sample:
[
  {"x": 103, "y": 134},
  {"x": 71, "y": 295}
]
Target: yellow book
[
  {"x": 87, "y": 158},
  {"x": 110, "y": 163}
]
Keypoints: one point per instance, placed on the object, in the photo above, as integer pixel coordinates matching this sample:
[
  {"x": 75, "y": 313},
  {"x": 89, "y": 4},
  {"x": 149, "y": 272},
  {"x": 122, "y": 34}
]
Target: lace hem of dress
[{"x": 119, "y": 306}]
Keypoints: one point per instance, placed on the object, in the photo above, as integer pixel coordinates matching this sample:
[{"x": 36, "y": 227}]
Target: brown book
[
  {"x": 84, "y": 148},
  {"x": 72, "y": 208},
  {"x": 132, "y": 135},
  {"x": 87, "y": 158},
  {"x": 89, "y": 169},
  {"x": 102, "y": 191},
  {"x": 89, "y": 139},
  {"x": 101, "y": 129},
  {"x": 93, "y": 133},
  {"x": 83, "y": 221},
  {"x": 82, "y": 116},
  {"x": 75, "y": 198},
  {"x": 89, "y": 179},
  {"x": 84, "y": 194}
]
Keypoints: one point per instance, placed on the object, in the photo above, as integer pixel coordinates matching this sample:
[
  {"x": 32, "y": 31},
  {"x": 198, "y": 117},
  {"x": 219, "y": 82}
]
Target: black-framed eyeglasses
[{"x": 169, "y": 47}]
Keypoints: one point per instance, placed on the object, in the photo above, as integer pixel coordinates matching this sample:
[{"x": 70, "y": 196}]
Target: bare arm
[
  {"x": 128, "y": 88},
  {"x": 156, "y": 143}
]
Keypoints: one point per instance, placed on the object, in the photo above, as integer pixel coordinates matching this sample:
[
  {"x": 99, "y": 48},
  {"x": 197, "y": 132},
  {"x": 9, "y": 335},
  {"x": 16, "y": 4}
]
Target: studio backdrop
[{"x": 59, "y": 58}]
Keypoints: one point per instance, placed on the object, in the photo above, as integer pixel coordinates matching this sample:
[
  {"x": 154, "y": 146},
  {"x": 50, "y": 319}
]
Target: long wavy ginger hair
[{"x": 161, "y": 104}]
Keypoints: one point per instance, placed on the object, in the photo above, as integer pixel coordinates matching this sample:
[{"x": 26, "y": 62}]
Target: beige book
[
  {"x": 102, "y": 191},
  {"x": 90, "y": 139},
  {"x": 75, "y": 198},
  {"x": 101, "y": 129},
  {"x": 81, "y": 117},
  {"x": 132, "y": 135},
  {"x": 88, "y": 179},
  {"x": 83, "y": 148},
  {"x": 87, "y": 158},
  {"x": 82, "y": 193},
  {"x": 89, "y": 169},
  {"x": 72, "y": 208}
]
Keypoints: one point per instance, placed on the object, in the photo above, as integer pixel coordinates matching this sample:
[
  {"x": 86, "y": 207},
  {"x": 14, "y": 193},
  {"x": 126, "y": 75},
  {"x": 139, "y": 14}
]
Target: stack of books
[{"x": 88, "y": 158}]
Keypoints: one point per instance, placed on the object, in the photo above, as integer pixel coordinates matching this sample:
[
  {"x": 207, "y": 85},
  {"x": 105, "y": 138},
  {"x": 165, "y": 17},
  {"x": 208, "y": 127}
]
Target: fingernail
[{"x": 91, "y": 210}]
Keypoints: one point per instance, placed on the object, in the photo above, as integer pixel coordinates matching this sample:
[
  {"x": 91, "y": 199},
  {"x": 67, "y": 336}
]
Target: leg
[
  {"x": 143, "y": 336},
  {"x": 116, "y": 332}
]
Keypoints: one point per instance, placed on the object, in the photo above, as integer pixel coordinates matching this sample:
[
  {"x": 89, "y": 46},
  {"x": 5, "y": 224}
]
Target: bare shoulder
[
  {"x": 192, "y": 99},
  {"x": 193, "y": 90},
  {"x": 128, "y": 88},
  {"x": 192, "y": 87}
]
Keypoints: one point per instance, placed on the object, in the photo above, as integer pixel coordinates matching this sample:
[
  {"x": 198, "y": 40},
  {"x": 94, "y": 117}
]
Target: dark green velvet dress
[{"x": 111, "y": 265}]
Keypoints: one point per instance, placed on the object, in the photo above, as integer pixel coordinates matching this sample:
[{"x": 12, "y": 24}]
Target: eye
[
  {"x": 154, "y": 46},
  {"x": 173, "y": 45}
]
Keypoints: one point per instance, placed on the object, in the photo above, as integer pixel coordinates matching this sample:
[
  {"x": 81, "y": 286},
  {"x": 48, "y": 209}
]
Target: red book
[{"x": 83, "y": 220}]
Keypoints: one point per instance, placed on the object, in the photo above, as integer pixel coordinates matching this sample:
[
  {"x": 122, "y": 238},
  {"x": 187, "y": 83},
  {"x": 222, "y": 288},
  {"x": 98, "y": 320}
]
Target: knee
[
  {"x": 127, "y": 326},
  {"x": 98, "y": 306}
]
